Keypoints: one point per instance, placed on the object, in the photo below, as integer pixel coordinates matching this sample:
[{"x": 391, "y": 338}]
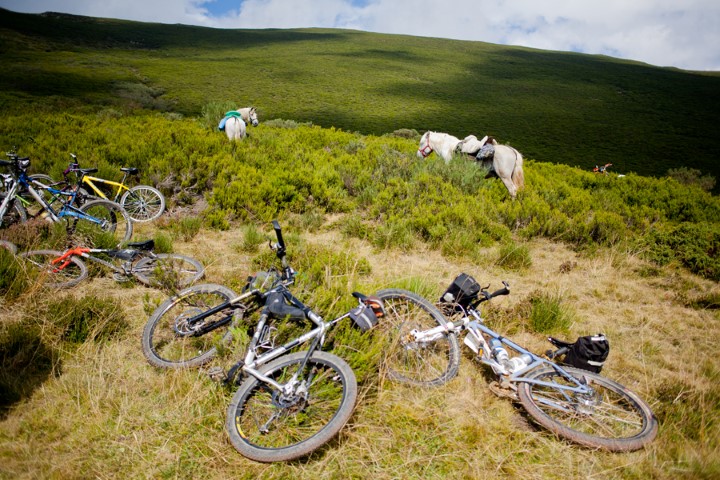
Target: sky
[{"x": 675, "y": 33}]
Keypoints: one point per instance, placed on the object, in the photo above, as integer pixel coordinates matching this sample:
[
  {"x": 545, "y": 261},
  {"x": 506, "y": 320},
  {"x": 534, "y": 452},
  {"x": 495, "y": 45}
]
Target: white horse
[
  {"x": 505, "y": 164},
  {"x": 235, "y": 126}
]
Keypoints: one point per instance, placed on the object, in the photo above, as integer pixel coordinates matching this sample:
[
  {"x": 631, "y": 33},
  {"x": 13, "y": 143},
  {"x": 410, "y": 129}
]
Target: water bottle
[
  {"x": 499, "y": 352},
  {"x": 518, "y": 363}
]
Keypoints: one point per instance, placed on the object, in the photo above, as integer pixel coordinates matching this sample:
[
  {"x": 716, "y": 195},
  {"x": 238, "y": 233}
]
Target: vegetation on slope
[
  {"x": 559, "y": 107},
  {"x": 634, "y": 257}
]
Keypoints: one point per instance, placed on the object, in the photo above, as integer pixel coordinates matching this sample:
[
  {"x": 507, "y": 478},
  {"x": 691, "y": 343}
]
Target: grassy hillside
[
  {"x": 635, "y": 257},
  {"x": 362, "y": 212},
  {"x": 555, "y": 107}
]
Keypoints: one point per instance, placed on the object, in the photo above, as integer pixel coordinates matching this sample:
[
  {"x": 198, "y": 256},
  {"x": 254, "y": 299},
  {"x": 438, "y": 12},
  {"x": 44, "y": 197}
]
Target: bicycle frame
[
  {"x": 126, "y": 269},
  {"x": 121, "y": 187},
  {"x": 475, "y": 340},
  {"x": 252, "y": 361},
  {"x": 66, "y": 210}
]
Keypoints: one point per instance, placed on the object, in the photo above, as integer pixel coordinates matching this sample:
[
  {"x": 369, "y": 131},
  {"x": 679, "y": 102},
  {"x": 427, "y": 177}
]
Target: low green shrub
[
  {"x": 14, "y": 277},
  {"x": 548, "y": 314},
  {"x": 513, "y": 256},
  {"x": 163, "y": 243},
  {"x": 76, "y": 320}
]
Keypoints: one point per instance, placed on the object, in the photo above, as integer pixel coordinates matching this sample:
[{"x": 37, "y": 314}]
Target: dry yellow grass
[{"x": 110, "y": 415}]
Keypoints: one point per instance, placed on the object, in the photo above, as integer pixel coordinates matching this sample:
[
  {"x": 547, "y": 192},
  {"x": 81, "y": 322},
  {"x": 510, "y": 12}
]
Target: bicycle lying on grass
[
  {"x": 66, "y": 269},
  {"x": 92, "y": 218},
  {"x": 142, "y": 202},
  {"x": 578, "y": 405},
  {"x": 288, "y": 404}
]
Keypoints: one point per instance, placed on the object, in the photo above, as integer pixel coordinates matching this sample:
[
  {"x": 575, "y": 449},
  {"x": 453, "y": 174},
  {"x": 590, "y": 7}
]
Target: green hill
[
  {"x": 334, "y": 159},
  {"x": 555, "y": 107}
]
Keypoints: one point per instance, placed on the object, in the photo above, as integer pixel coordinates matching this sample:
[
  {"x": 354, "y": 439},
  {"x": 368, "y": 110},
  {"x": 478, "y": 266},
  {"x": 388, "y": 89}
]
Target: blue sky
[{"x": 683, "y": 34}]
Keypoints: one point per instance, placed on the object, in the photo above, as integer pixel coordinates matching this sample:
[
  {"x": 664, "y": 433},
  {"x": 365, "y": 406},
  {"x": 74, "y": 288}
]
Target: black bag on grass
[
  {"x": 587, "y": 353},
  {"x": 463, "y": 290}
]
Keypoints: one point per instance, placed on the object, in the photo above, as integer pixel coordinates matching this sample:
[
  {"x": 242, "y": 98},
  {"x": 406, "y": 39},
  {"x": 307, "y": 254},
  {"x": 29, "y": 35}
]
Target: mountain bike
[
  {"x": 575, "y": 404},
  {"x": 92, "y": 218},
  {"x": 288, "y": 404},
  {"x": 67, "y": 269},
  {"x": 142, "y": 202}
]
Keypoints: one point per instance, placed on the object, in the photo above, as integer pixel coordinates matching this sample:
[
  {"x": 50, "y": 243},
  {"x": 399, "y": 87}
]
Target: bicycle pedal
[{"x": 217, "y": 374}]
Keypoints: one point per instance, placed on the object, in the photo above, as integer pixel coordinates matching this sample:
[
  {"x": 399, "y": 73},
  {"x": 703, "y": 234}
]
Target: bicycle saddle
[
  {"x": 130, "y": 170},
  {"x": 146, "y": 245}
]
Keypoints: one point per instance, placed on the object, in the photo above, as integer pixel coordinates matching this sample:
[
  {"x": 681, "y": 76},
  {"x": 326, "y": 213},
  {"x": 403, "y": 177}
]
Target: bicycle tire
[
  {"x": 168, "y": 269},
  {"x": 14, "y": 213},
  {"x": 162, "y": 342},
  {"x": 585, "y": 422},
  {"x": 143, "y": 203},
  {"x": 9, "y": 246},
  {"x": 75, "y": 272},
  {"x": 427, "y": 364},
  {"x": 117, "y": 221},
  {"x": 47, "y": 196},
  {"x": 302, "y": 424}
]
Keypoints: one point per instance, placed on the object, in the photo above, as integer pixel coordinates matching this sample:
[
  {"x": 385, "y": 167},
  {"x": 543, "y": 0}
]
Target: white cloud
[{"x": 660, "y": 32}]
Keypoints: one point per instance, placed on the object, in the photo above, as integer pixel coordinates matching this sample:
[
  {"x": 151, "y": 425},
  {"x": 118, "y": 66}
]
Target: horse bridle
[{"x": 427, "y": 150}]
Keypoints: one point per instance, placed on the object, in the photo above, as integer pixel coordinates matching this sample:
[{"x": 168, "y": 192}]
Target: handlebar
[
  {"x": 278, "y": 234},
  {"x": 561, "y": 351},
  {"x": 287, "y": 273},
  {"x": 487, "y": 296}
]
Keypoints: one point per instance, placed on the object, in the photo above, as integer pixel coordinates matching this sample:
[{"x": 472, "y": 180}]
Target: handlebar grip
[
  {"x": 278, "y": 234},
  {"x": 562, "y": 351},
  {"x": 497, "y": 293}
]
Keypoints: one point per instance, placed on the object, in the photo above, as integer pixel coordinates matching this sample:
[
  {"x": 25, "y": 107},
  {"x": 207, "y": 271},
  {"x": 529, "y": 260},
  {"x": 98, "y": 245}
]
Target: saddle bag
[
  {"x": 588, "y": 353},
  {"x": 463, "y": 290},
  {"x": 366, "y": 316}
]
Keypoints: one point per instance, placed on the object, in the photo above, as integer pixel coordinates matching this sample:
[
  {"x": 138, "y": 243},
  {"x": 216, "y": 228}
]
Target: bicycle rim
[
  {"x": 166, "y": 339},
  {"x": 168, "y": 270},
  {"x": 143, "y": 203},
  {"x": 427, "y": 363},
  {"x": 611, "y": 418},
  {"x": 53, "y": 275},
  {"x": 267, "y": 426},
  {"x": 108, "y": 220}
]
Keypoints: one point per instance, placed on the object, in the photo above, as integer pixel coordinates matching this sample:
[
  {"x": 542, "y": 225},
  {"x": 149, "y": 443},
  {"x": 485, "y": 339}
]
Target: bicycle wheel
[
  {"x": 143, "y": 203},
  {"x": 612, "y": 418},
  {"x": 14, "y": 213},
  {"x": 107, "y": 217},
  {"x": 267, "y": 425},
  {"x": 9, "y": 246},
  {"x": 171, "y": 270},
  {"x": 168, "y": 340},
  {"x": 427, "y": 363},
  {"x": 52, "y": 275}
]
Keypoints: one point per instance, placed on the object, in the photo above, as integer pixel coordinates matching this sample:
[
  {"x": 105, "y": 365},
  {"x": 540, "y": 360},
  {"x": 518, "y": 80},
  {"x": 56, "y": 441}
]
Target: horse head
[
  {"x": 424, "y": 149},
  {"x": 253, "y": 117}
]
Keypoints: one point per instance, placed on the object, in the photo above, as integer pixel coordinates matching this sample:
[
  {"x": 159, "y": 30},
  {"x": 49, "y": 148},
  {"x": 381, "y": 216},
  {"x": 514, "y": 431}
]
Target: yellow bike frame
[{"x": 120, "y": 187}]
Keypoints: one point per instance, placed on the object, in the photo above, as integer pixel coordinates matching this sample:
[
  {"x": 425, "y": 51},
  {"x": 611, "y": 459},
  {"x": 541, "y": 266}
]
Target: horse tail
[{"x": 518, "y": 177}]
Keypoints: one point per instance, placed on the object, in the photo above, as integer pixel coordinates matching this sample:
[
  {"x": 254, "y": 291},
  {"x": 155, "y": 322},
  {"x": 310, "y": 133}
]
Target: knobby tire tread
[
  {"x": 637, "y": 441},
  {"x": 307, "y": 446},
  {"x": 449, "y": 355},
  {"x": 161, "y": 312}
]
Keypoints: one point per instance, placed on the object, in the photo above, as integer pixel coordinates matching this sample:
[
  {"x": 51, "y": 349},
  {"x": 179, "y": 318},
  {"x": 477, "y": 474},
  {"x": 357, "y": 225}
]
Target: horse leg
[{"x": 510, "y": 186}]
